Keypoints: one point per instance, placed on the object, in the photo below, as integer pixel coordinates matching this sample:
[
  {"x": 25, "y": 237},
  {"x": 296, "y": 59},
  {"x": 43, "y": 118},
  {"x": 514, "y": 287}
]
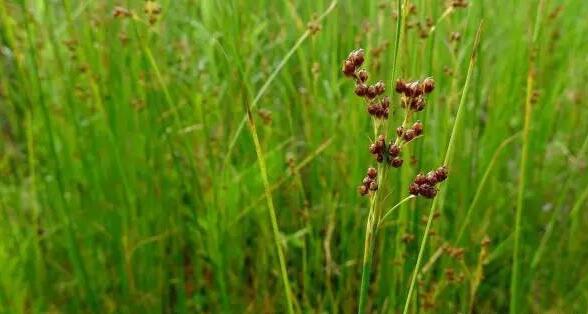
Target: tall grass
[{"x": 127, "y": 184}]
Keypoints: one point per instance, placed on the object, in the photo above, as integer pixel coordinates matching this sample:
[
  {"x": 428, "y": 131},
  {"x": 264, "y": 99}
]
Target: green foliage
[{"x": 127, "y": 186}]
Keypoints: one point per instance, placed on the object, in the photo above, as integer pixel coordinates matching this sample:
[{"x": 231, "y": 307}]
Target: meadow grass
[{"x": 128, "y": 182}]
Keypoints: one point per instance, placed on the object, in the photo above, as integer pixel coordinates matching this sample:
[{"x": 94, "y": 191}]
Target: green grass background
[{"x": 119, "y": 192}]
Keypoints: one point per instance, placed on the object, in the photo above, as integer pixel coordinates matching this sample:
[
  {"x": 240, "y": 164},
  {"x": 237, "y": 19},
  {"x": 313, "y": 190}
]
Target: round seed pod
[
  {"x": 379, "y": 87},
  {"x": 366, "y": 180},
  {"x": 362, "y": 189},
  {"x": 373, "y": 148},
  {"x": 371, "y": 92},
  {"x": 362, "y": 75},
  {"x": 379, "y": 157},
  {"x": 441, "y": 173},
  {"x": 399, "y": 131},
  {"x": 432, "y": 178},
  {"x": 420, "y": 179},
  {"x": 373, "y": 186},
  {"x": 427, "y": 191},
  {"x": 358, "y": 56},
  {"x": 372, "y": 172},
  {"x": 373, "y": 109},
  {"x": 428, "y": 85},
  {"x": 400, "y": 86},
  {"x": 348, "y": 68},
  {"x": 413, "y": 189},
  {"x": 418, "y": 128},
  {"x": 396, "y": 162},
  {"x": 361, "y": 89},
  {"x": 394, "y": 150},
  {"x": 408, "y": 135}
]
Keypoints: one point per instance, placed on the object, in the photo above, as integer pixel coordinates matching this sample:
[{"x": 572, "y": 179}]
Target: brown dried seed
[
  {"x": 418, "y": 128},
  {"x": 379, "y": 88},
  {"x": 394, "y": 150},
  {"x": 428, "y": 85},
  {"x": 396, "y": 162},
  {"x": 362, "y": 75},
  {"x": 409, "y": 135},
  {"x": 413, "y": 189},
  {"x": 361, "y": 89},
  {"x": 420, "y": 179},
  {"x": 348, "y": 68},
  {"x": 372, "y": 172}
]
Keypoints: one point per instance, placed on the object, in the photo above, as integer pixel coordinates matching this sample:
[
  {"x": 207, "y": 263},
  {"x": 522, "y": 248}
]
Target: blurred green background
[{"x": 128, "y": 186}]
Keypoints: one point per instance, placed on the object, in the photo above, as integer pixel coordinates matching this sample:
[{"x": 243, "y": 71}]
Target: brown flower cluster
[
  {"x": 424, "y": 185},
  {"x": 413, "y": 93},
  {"x": 369, "y": 182},
  {"x": 378, "y": 107}
]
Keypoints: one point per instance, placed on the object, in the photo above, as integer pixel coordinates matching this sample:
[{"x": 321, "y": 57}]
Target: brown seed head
[
  {"x": 427, "y": 191},
  {"x": 400, "y": 86},
  {"x": 379, "y": 87},
  {"x": 409, "y": 135},
  {"x": 362, "y": 75},
  {"x": 348, "y": 68},
  {"x": 413, "y": 189},
  {"x": 394, "y": 150},
  {"x": 373, "y": 186},
  {"x": 361, "y": 89},
  {"x": 357, "y": 57},
  {"x": 418, "y": 128},
  {"x": 428, "y": 85},
  {"x": 396, "y": 162},
  {"x": 372, "y": 172},
  {"x": 420, "y": 179}
]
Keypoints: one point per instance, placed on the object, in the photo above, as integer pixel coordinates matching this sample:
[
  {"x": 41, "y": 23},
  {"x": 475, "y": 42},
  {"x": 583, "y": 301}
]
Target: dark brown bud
[
  {"x": 373, "y": 186},
  {"x": 361, "y": 89},
  {"x": 357, "y": 57},
  {"x": 366, "y": 180},
  {"x": 413, "y": 189},
  {"x": 396, "y": 162},
  {"x": 427, "y": 191},
  {"x": 372, "y": 172},
  {"x": 362, "y": 75},
  {"x": 373, "y": 109},
  {"x": 408, "y": 135},
  {"x": 348, "y": 68},
  {"x": 432, "y": 178},
  {"x": 441, "y": 173},
  {"x": 420, "y": 179},
  {"x": 400, "y": 86},
  {"x": 371, "y": 92},
  {"x": 374, "y": 148},
  {"x": 394, "y": 150},
  {"x": 399, "y": 131},
  {"x": 413, "y": 89},
  {"x": 379, "y": 87},
  {"x": 363, "y": 190},
  {"x": 417, "y": 128},
  {"x": 428, "y": 85},
  {"x": 417, "y": 103},
  {"x": 379, "y": 158}
]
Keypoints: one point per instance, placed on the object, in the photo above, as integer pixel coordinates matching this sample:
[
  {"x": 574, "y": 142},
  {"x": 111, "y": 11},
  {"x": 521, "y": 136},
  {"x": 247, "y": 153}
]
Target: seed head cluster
[
  {"x": 425, "y": 185},
  {"x": 369, "y": 182},
  {"x": 378, "y": 106},
  {"x": 412, "y": 100}
]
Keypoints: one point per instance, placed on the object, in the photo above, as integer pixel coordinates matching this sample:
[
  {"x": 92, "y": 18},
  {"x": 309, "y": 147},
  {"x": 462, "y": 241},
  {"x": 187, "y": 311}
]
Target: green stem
[
  {"x": 447, "y": 161},
  {"x": 514, "y": 279}
]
